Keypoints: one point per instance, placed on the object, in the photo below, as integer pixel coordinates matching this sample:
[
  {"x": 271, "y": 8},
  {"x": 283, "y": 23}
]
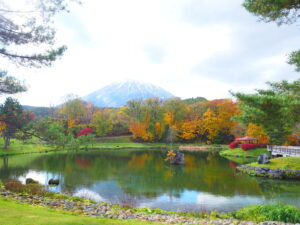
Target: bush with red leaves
[
  {"x": 233, "y": 144},
  {"x": 85, "y": 131},
  {"x": 248, "y": 146}
]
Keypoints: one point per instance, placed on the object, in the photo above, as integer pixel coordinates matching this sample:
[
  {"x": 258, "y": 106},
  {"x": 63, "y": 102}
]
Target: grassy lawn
[
  {"x": 18, "y": 147},
  {"x": 238, "y": 152},
  {"x": 292, "y": 163},
  {"x": 122, "y": 142},
  {"x": 13, "y": 213},
  {"x": 240, "y": 160}
]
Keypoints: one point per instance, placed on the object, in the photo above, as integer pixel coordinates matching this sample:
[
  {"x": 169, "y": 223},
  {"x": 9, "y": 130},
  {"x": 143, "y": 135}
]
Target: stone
[
  {"x": 31, "y": 181},
  {"x": 277, "y": 174},
  {"x": 263, "y": 159},
  {"x": 53, "y": 182},
  {"x": 178, "y": 159}
]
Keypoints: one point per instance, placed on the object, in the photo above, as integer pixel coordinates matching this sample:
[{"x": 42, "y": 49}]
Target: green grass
[
  {"x": 269, "y": 212},
  {"x": 13, "y": 213},
  {"x": 291, "y": 163},
  {"x": 122, "y": 142},
  {"x": 240, "y": 160},
  {"x": 238, "y": 152},
  {"x": 18, "y": 147}
]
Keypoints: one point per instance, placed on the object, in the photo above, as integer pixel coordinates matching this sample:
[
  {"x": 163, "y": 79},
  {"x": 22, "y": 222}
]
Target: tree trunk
[{"x": 6, "y": 142}]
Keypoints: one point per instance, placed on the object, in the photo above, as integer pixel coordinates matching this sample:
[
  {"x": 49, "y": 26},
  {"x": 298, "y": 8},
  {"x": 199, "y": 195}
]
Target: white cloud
[{"x": 116, "y": 40}]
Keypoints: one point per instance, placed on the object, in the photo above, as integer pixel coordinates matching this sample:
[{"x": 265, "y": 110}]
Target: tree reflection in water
[{"x": 143, "y": 176}]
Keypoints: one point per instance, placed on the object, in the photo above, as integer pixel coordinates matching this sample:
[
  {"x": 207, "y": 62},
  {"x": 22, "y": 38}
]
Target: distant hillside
[
  {"x": 38, "y": 111},
  {"x": 194, "y": 100},
  {"x": 118, "y": 94}
]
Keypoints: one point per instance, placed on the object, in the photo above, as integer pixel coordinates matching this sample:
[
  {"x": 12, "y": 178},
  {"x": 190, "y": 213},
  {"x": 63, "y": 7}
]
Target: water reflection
[{"x": 143, "y": 179}]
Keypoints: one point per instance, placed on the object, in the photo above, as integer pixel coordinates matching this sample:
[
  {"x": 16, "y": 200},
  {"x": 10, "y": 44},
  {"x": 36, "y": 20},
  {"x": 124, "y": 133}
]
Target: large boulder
[
  {"x": 31, "y": 181},
  {"x": 263, "y": 159},
  {"x": 53, "y": 182}
]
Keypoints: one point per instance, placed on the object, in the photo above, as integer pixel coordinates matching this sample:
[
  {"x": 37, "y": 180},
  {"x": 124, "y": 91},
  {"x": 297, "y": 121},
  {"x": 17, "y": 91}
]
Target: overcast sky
[{"x": 188, "y": 47}]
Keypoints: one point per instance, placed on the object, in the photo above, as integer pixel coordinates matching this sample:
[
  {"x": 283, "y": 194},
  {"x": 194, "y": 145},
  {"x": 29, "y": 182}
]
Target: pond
[{"x": 142, "y": 178}]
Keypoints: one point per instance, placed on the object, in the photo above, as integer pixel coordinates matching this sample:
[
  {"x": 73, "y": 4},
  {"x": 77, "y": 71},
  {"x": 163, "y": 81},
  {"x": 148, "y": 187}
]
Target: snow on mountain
[{"x": 117, "y": 94}]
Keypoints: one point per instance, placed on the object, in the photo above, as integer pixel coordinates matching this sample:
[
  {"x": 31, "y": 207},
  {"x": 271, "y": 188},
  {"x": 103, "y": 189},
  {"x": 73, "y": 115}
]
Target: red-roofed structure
[{"x": 247, "y": 139}]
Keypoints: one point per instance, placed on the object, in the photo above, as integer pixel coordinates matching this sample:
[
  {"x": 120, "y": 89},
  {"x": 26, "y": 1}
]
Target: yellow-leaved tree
[
  {"x": 210, "y": 124},
  {"x": 257, "y": 131}
]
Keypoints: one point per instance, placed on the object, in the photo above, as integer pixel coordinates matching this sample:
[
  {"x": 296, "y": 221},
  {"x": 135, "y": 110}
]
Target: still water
[{"x": 143, "y": 179}]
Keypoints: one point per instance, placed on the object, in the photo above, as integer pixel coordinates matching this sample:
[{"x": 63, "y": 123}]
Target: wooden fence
[{"x": 284, "y": 150}]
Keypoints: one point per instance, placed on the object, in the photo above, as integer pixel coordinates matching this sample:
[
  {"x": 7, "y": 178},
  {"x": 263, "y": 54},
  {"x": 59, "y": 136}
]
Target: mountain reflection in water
[{"x": 142, "y": 178}]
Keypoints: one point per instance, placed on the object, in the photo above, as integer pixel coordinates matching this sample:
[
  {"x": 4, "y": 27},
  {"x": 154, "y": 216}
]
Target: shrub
[
  {"x": 269, "y": 212},
  {"x": 34, "y": 189},
  {"x": 17, "y": 186},
  {"x": 14, "y": 185},
  {"x": 233, "y": 144},
  {"x": 85, "y": 132},
  {"x": 248, "y": 146}
]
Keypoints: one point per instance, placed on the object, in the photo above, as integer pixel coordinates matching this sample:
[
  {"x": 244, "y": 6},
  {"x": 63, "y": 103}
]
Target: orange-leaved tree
[{"x": 257, "y": 131}]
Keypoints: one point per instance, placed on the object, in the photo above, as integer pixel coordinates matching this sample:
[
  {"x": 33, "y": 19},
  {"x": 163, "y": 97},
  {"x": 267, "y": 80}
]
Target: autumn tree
[
  {"x": 53, "y": 133},
  {"x": 210, "y": 125},
  {"x": 225, "y": 110},
  {"x": 211, "y": 121},
  {"x": 154, "y": 117},
  {"x": 176, "y": 107},
  {"x": 257, "y": 131},
  {"x": 102, "y": 122},
  {"x": 196, "y": 110},
  {"x": 140, "y": 131},
  {"x": 190, "y": 130},
  {"x": 120, "y": 121},
  {"x": 134, "y": 110},
  {"x": 73, "y": 111},
  {"x": 13, "y": 119},
  {"x": 145, "y": 118}
]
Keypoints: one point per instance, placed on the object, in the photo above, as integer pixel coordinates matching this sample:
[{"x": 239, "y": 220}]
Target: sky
[{"x": 188, "y": 47}]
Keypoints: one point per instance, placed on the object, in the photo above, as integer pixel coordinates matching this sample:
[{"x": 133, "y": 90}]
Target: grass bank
[
  {"x": 44, "y": 207},
  {"x": 13, "y": 213},
  {"x": 288, "y": 163},
  {"x": 101, "y": 143},
  {"x": 18, "y": 147},
  {"x": 34, "y": 146},
  {"x": 278, "y": 168},
  {"x": 238, "y": 152}
]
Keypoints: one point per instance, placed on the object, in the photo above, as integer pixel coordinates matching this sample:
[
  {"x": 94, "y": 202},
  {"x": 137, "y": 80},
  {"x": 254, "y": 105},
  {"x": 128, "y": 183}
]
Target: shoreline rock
[
  {"x": 103, "y": 209},
  {"x": 262, "y": 171}
]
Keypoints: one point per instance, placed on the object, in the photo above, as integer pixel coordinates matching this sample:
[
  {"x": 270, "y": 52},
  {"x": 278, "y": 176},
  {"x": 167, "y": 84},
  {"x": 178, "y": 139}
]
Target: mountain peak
[{"x": 118, "y": 94}]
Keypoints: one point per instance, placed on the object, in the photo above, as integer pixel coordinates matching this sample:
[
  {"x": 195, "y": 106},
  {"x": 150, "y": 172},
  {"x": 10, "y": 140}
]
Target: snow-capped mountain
[{"x": 117, "y": 94}]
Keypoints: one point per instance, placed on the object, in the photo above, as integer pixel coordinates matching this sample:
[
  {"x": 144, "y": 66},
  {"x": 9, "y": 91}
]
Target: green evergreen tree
[{"x": 279, "y": 11}]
